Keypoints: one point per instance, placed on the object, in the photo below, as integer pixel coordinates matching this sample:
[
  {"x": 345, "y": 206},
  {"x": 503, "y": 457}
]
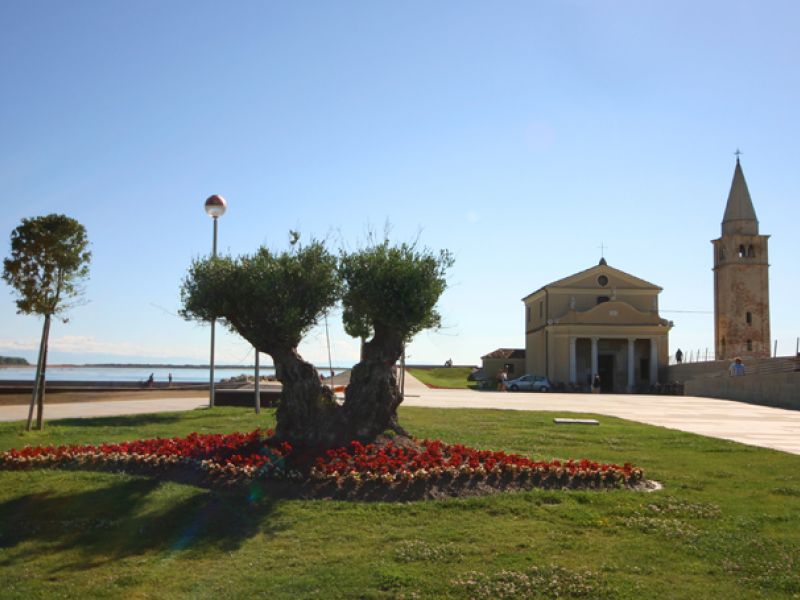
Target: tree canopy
[
  {"x": 392, "y": 287},
  {"x": 49, "y": 260},
  {"x": 270, "y": 299}
]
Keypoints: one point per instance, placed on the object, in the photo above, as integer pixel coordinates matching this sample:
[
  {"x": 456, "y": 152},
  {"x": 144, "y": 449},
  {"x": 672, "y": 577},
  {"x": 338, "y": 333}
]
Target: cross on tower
[
  {"x": 602, "y": 250},
  {"x": 737, "y": 153}
]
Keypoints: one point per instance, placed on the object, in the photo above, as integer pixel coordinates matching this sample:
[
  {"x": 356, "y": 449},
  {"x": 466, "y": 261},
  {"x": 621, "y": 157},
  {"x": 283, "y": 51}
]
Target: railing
[{"x": 708, "y": 355}]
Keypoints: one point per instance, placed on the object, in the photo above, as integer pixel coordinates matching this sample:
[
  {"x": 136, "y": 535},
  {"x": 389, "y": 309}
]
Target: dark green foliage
[
  {"x": 270, "y": 299},
  {"x": 49, "y": 259},
  {"x": 394, "y": 288},
  {"x": 13, "y": 361}
]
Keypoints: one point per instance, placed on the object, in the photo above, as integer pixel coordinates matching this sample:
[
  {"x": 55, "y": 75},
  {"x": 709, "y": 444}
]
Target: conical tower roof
[{"x": 740, "y": 216}]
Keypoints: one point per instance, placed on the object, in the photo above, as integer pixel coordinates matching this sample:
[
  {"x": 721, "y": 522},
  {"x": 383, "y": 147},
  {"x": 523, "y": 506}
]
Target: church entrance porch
[{"x": 625, "y": 364}]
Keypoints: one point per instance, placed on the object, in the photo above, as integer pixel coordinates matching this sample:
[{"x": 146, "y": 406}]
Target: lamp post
[{"x": 215, "y": 208}]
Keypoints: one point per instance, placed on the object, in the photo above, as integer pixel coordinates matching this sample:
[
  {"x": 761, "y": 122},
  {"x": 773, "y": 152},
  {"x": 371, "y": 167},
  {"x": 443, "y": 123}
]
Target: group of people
[
  {"x": 736, "y": 369},
  {"x": 151, "y": 381}
]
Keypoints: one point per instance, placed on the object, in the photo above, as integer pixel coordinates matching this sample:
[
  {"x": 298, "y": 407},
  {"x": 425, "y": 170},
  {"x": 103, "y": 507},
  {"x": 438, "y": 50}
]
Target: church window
[
  {"x": 528, "y": 314},
  {"x": 722, "y": 252},
  {"x": 749, "y": 318},
  {"x": 751, "y": 252},
  {"x": 602, "y": 280},
  {"x": 601, "y": 299},
  {"x": 742, "y": 252},
  {"x": 749, "y": 345}
]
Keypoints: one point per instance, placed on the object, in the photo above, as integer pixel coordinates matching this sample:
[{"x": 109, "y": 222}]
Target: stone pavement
[
  {"x": 108, "y": 408},
  {"x": 746, "y": 423}
]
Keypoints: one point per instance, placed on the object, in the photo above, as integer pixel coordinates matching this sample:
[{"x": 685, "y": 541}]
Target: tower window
[
  {"x": 528, "y": 314},
  {"x": 722, "y": 253},
  {"x": 749, "y": 345},
  {"x": 742, "y": 251},
  {"x": 601, "y": 299},
  {"x": 749, "y": 318},
  {"x": 751, "y": 252}
]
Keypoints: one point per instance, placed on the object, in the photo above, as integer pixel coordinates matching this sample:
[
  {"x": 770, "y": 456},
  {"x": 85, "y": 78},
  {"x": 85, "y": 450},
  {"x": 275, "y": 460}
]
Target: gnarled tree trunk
[
  {"x": 372, "y": 398},
  {"x": 306, "y": 415}
]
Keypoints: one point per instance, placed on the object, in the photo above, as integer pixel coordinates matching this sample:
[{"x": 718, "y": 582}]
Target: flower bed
[
  {"x": 247, "y": 456},
  {"x": 391, "y": 463}
]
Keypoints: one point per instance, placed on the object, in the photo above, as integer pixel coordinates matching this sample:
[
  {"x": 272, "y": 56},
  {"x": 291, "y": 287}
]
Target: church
[
  {"x": 605, "y": 321},
  {"x": 599, "y": 321}
]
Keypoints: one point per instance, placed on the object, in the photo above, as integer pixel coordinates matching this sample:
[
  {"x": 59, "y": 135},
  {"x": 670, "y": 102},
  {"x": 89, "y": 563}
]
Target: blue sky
[{"x": 520, "y": 135}]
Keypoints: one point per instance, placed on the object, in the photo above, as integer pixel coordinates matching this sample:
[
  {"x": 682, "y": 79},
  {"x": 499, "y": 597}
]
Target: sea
[{"x": 137, "y": 374}]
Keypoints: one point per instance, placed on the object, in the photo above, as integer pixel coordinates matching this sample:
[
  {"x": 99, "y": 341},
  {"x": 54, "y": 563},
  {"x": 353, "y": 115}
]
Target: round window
[{"x": 602, "y": 280}]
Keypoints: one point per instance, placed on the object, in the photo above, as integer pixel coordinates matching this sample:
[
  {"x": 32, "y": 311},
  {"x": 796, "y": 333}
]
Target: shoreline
[{"x": 14, "y": 393}]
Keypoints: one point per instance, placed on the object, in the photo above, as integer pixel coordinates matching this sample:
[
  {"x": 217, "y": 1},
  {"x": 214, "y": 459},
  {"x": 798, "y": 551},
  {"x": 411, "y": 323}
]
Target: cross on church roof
[
  {"x": 737, "y": 153},
  {"x": 602, "y": 247}
]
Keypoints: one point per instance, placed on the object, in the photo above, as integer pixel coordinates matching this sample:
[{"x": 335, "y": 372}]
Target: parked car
[{"x": 529, "y": 383}]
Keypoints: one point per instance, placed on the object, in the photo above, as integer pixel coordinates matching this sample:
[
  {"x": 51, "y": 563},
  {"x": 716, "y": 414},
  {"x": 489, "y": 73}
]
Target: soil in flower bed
[{"x": 391, "y": 469}]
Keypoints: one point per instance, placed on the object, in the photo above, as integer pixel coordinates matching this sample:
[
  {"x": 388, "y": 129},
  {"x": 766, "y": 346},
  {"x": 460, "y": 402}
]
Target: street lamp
[{"x": 215, "y": 208}]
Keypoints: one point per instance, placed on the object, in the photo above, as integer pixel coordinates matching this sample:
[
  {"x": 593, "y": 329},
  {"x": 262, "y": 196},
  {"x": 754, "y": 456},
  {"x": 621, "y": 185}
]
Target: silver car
[{"x": 529, "y": 383}]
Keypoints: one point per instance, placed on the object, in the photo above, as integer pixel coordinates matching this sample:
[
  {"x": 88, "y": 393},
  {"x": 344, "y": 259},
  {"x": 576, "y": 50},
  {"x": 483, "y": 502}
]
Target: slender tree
[
  {"x": 49, "y": 261},
  {"x": 272, "y": 300},
  {"x": 390, "y": 294}
]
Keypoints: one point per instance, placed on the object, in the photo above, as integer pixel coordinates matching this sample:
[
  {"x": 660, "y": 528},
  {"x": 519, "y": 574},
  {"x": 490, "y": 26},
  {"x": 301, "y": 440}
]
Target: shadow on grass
[
  {"x": 121, "y": 420},
  {"x": 134, "y": 516}
]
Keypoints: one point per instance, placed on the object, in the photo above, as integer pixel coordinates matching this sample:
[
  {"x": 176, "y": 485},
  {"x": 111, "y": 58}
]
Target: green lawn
[
  {"x": 444, "y": 377},
  {"x": 726, "y": 525}
]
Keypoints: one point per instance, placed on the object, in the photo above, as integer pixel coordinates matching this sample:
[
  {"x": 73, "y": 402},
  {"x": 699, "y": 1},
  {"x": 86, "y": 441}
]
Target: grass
[
  {"x": 444, "y": 377},
  {"x": 726, "y": 525}
]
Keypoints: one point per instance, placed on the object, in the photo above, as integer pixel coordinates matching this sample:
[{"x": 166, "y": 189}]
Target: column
[
  {"x": 573, "y": 361},
  {"x": 653, "y": 361},
  {"x": 631, "y": 366},
  {"x": 594, "y": 356}
]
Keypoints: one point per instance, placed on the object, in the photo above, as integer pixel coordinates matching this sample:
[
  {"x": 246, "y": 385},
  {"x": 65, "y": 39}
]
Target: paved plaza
[{"x": 746, "y": 423}]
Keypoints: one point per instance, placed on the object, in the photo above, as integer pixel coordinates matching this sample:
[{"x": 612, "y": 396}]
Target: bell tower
[{"x": 741, "y": 279}]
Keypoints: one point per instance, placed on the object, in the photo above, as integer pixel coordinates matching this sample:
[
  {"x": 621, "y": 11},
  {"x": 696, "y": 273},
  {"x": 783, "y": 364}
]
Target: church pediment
[
  {"x": 615, "y": 312},
  {"x": 599, "y": 277}
]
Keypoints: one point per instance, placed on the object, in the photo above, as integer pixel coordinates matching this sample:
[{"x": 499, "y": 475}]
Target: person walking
[
  {"x": 596, "y": 384},
  {"x": 679, "y": 356},
  {"x": 502, "y": 377}
]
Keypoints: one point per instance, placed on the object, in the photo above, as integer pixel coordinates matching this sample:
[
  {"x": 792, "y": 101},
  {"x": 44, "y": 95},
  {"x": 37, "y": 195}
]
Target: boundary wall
[{"x": 767, "y": 381}]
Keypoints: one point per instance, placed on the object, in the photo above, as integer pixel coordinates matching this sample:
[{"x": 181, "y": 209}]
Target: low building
[
  {"x": 598, "y": 321},
  {"x": 510, "y": 359}
]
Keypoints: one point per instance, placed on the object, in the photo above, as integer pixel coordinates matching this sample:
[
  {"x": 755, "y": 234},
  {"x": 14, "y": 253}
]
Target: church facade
[
  {"x": 741, "y": 279},
  {"x": 598, "y": 321}
]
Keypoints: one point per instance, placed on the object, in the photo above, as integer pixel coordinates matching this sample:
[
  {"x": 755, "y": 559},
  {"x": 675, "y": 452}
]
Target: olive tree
[
  {"x": 49, "y": 261},
  {"x": 390, "y": 294},
  {"x": 272, "y": 300}
]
